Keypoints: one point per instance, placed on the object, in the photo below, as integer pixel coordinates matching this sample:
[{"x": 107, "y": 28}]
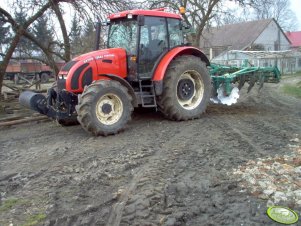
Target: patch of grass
[
  {"x": 35, "y": 219},
  {"x": 9, "y": 204},
  {"x": 298, "y": 73},
  {"x": 293, "y": 90}
]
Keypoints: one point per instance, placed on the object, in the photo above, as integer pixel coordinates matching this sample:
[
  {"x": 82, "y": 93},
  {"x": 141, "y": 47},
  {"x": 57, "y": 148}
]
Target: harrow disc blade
[
  {"x": 252, "y": 82},
  {"x": 261, "y": 81},
  {"x": 242, "y": 81}
]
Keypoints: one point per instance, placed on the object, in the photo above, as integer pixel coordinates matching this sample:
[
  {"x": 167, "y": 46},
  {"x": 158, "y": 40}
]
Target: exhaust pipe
[{"x": 34, "y": 101}]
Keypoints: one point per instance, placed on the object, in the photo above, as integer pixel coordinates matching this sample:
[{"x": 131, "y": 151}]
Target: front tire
[
  {"x": 187, "y": 89},
  {"x": 104, "y": 107}
]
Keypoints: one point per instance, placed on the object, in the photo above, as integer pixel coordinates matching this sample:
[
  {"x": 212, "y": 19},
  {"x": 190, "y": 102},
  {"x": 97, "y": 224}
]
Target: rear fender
[{"x": 168, "y": 57}]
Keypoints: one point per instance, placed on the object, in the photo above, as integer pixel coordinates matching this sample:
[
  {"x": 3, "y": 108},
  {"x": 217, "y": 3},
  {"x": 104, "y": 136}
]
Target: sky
[{"x": 296, "y": 7}]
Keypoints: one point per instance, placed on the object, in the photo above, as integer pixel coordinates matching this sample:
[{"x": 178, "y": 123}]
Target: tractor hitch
[{"x": 56, "y": 105}]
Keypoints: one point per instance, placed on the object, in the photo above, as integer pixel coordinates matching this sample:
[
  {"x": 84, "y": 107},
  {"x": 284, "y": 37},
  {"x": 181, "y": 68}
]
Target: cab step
[{"x": 147, "y": 94}]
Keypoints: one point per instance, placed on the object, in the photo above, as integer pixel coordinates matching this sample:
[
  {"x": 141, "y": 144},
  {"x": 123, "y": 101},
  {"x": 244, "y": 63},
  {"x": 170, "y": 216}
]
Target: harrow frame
[{"x": 226, "y": 76}]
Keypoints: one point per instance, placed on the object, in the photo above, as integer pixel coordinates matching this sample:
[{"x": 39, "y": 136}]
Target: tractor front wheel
[
  {"x": 187, "y": 89},
  {"x": 104, "y": 107}
]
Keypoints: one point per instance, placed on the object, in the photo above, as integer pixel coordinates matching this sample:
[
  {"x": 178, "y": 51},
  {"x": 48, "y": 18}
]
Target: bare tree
[
  {"x": 277, "y": 9},
  {"x": 54, "y": 49},
  {"x": 19, "y": 31},
  {"x": 257, "y": 9},
  {"x": 199, "y": 13}
]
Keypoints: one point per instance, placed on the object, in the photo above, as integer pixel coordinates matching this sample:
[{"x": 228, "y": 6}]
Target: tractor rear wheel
[
  {"x": 187, "y": 89},
  {"x": 104, "y": 108}
]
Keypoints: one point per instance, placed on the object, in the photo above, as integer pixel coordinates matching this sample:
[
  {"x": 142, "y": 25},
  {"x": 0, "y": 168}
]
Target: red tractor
[{"x": 146, "y": 64}]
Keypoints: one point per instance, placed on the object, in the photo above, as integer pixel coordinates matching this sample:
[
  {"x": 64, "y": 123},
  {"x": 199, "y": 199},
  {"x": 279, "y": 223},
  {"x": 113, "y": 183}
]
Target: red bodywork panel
[
  {"x": 159, "y": 13},
  {"x": 162, "y": 66},
  {"x": 107, "y": 61}
]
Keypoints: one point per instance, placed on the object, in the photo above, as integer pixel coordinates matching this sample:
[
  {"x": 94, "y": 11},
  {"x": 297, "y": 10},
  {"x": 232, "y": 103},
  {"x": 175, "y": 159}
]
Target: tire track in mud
[
  {"x": 169, "y": 186},
  {"x": 118, "y": 208},
  {"x": 116, "y": 211},
  {"x": 150, "y": 198},
  {"x": 144, "y": 201},
  {"x": 78, "y": 217},
  {"x": 248, "y": 149},
  {"x": 245, "y": 131},
  {"x": 161, "y": 196},
  {"x": 140, "y": 205},
  {"x": 129, "y": 199},
  {"x": 237, "y": 133},
  {"x": 182, "y": 182}
]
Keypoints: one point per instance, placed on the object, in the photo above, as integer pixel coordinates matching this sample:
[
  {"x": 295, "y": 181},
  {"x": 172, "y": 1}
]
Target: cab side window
[{"x": 175, "y": 32}]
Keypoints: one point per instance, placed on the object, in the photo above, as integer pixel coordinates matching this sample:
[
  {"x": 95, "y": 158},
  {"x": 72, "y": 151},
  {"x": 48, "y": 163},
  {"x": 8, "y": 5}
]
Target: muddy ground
[{"x": 156, "y": 172}]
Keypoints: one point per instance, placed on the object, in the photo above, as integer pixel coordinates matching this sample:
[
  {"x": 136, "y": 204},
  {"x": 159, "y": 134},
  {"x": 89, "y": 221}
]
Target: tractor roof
[{"x": 155, "y": 12}]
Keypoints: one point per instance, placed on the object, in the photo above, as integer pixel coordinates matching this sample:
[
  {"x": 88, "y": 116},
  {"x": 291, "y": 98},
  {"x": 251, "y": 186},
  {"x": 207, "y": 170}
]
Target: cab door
[{"x": 152, "y": 43}]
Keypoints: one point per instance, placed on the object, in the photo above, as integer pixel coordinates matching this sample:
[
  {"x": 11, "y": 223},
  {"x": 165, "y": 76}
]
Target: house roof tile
[
  {"x": 234, "y": 36},
  {"x": 295, "y": 38}
]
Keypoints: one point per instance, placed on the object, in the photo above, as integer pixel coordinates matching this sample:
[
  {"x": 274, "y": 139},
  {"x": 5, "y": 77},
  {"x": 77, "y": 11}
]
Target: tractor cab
[{"x": 146, "y": 35}]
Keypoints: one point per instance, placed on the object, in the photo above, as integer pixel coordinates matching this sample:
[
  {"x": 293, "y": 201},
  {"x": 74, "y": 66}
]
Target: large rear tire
[
  {"x": 104, "y": 108},
  {"x": 187, "y": 89}
]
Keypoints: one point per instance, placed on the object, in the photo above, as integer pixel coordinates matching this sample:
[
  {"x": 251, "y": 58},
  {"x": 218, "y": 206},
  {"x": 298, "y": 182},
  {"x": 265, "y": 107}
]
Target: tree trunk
[
  {"x": 45, "y": 50},
  {"x": 8, "y": 55},
  {"x": 67, "y": 54},
  {"x": 207, "y": 15},
  {"x": 19, "y": 32}
]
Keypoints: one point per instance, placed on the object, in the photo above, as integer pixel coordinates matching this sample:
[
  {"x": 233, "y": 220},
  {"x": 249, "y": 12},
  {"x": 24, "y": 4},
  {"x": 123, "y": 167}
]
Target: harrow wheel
[
  {"x": 104, "y": 108},
  {"x": 187, "y": 89}
]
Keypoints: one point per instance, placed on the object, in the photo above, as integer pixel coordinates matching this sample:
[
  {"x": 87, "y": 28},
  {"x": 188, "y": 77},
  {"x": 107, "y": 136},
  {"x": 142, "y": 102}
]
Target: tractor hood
[{"x": 86, "y": 68}]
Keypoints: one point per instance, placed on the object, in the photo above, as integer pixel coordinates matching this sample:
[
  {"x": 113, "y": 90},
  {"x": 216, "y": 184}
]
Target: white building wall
[{"x": 270, "y": 36}]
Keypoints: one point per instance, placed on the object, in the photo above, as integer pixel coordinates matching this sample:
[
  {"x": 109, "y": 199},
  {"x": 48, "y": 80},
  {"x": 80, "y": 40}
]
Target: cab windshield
[{"x": 123, "y": 34}]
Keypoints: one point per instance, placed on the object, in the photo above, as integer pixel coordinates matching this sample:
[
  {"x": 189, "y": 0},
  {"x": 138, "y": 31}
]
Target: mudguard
[{"x": 168, "y": 57}]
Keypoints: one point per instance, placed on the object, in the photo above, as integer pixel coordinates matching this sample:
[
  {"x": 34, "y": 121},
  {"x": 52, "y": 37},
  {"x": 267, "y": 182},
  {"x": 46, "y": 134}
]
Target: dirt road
[{"x": 156, "y": 172}]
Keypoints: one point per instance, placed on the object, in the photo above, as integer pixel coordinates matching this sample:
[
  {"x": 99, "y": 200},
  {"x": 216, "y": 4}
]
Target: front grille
[
  {"x": 76, "y": 75},
  {"x": 87, "y": 78}
]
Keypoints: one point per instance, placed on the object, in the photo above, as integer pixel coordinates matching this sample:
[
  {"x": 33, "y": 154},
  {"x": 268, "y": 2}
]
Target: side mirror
[
  {"x": 185, "y": 27},
  {"x": 106, "y": 23},
  {"x": 140, "y": 20}
]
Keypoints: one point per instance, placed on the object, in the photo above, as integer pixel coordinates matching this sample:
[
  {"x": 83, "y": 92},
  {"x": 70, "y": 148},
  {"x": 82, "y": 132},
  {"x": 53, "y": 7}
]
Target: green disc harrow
[{"x": 228, "y": 77}]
